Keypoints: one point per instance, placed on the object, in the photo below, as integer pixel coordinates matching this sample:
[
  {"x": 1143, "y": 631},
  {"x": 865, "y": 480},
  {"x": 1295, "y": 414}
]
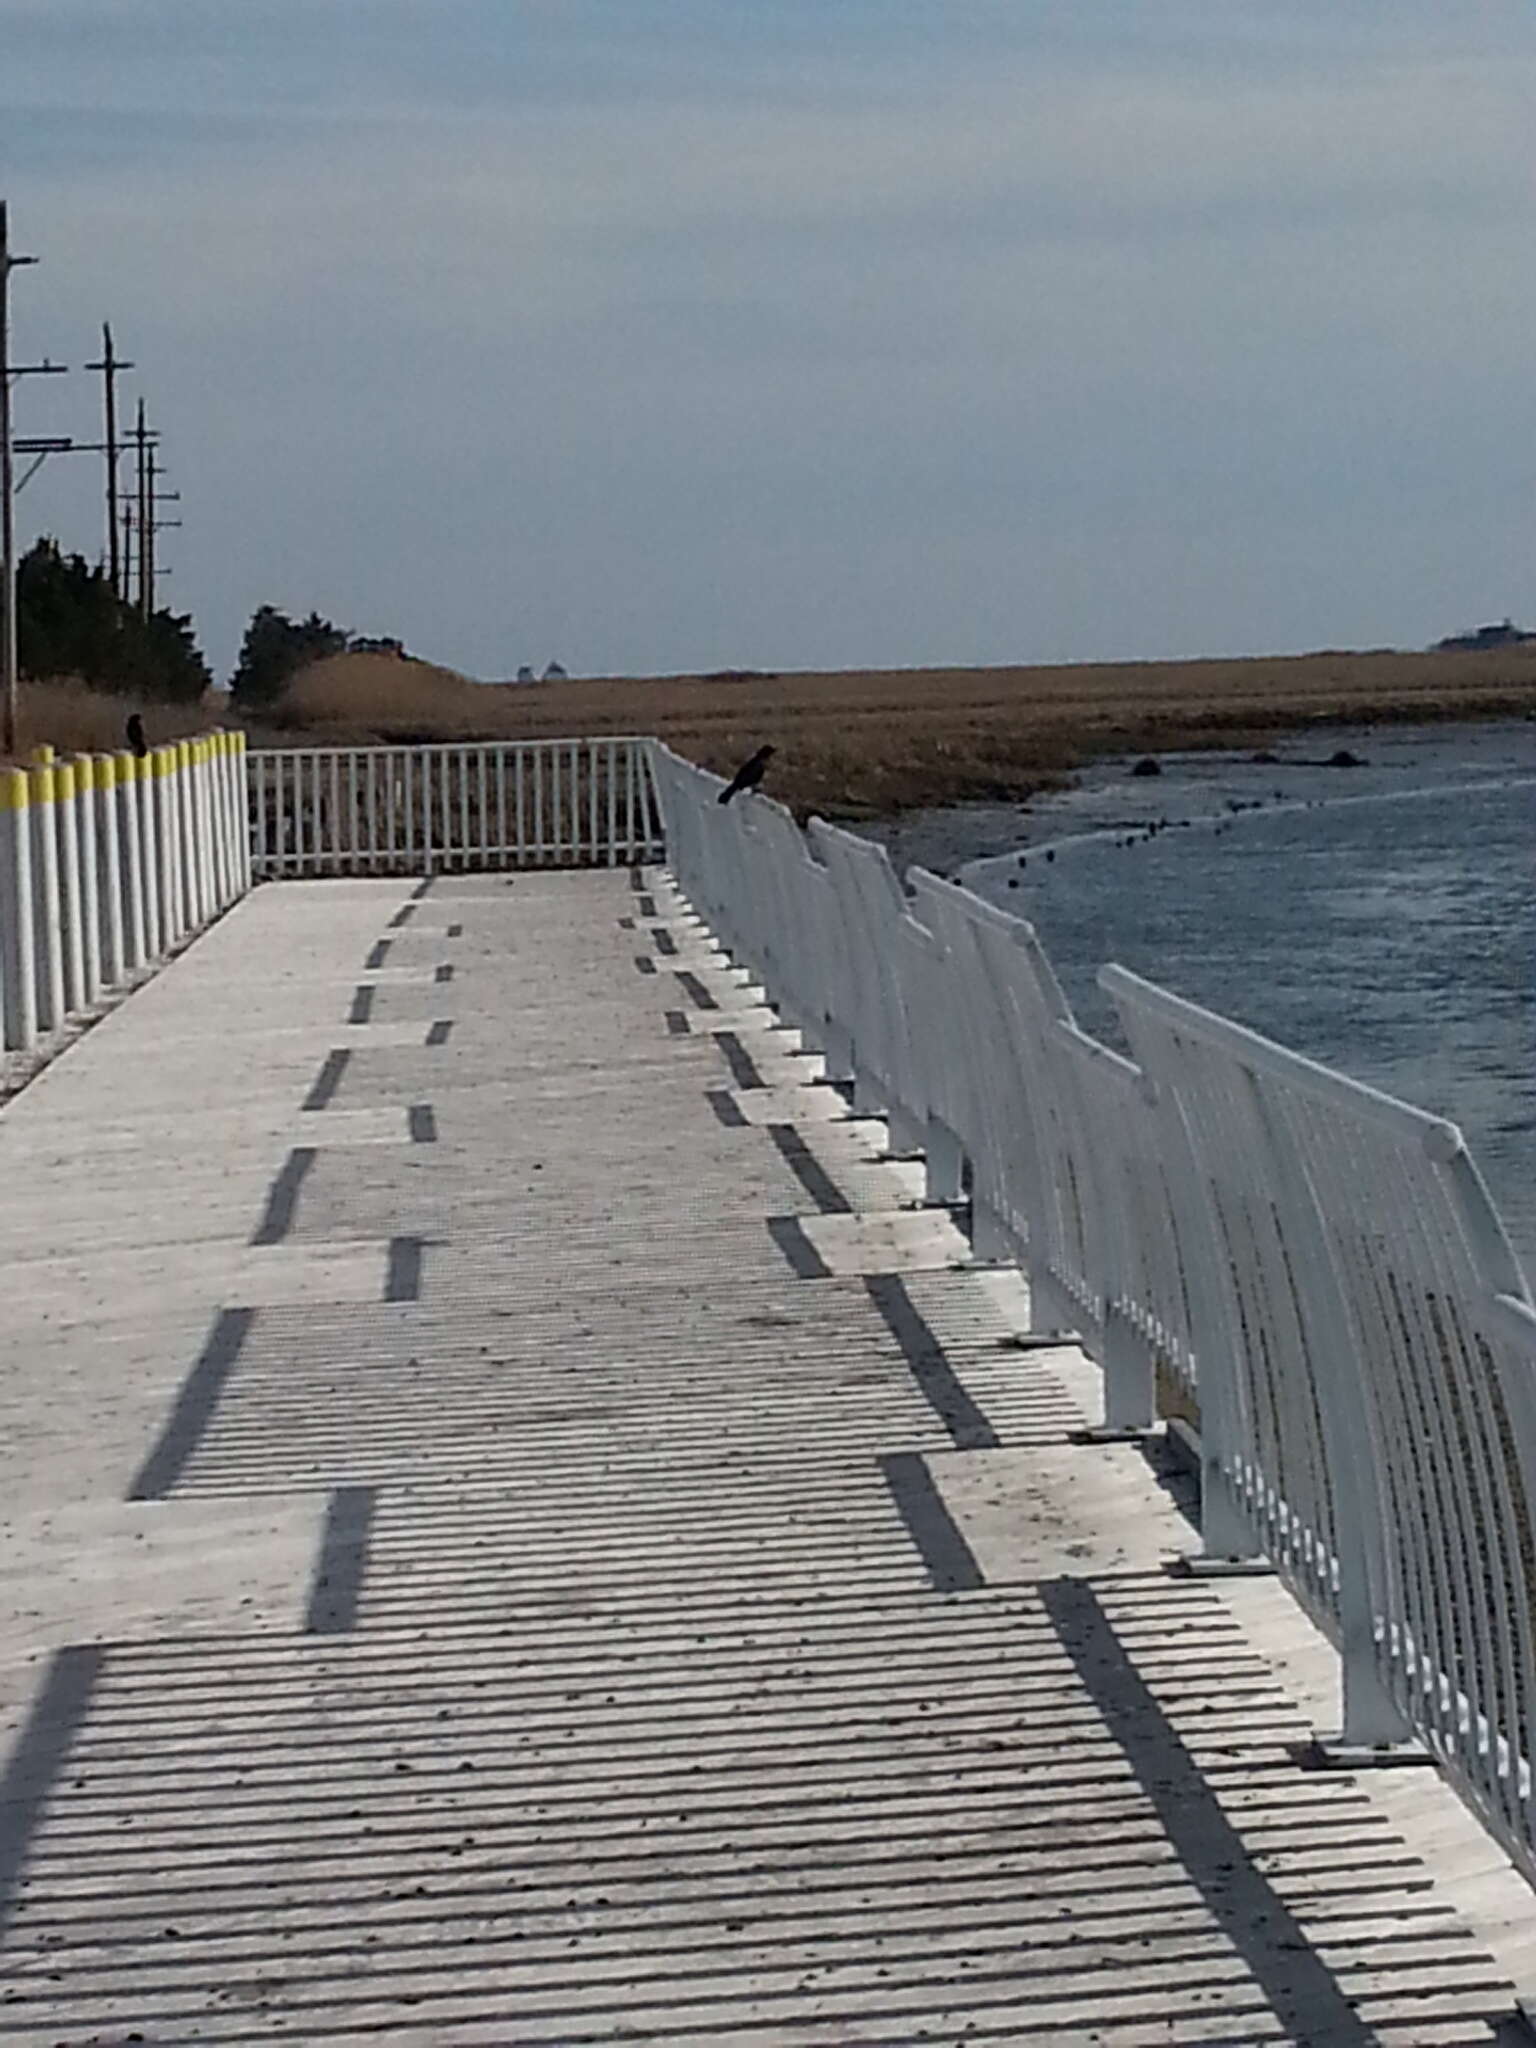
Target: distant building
[
  {"x": 1506, "y": 634},
  {"x": 555, "y": 673},
  {"x": 525, "y": 674}
]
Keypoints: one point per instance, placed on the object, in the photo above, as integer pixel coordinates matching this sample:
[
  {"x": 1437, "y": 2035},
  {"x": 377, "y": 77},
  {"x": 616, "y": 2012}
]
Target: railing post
[
  {"x": 1371, "y": 1718},
  {"x": 1227, "y": 1533},
  {"x": 943, "y": 1165},
  {"x": 18, "y": 932},
  {"x": 1130, "y": 1393}
]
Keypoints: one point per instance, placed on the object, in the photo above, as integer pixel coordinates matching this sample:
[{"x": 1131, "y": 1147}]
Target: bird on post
[
  {"x": 748, "y": 775},
  {"x": 136, "y": 738}
]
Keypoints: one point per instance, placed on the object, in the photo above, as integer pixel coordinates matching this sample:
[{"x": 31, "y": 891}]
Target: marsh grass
[{"x": 865, "y": 743}]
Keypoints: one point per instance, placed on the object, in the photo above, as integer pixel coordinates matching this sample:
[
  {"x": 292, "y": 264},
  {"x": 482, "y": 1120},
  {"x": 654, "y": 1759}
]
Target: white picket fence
[
  {"x": 107, "y": 862},
  {"x": 427, "y": 809},
  {"x": 1314, "y": 1268}
]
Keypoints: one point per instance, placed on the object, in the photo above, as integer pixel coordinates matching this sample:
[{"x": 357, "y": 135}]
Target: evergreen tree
[
  {"x": 70, "y": 624},
  {"x": 276, "y": 647}
]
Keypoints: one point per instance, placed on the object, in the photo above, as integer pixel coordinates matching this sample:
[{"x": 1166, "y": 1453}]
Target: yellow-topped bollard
[
  {"x": 18, "y": 959},
  {"x": 43, "y": 756},
  {"x": 48, "y": 926}
]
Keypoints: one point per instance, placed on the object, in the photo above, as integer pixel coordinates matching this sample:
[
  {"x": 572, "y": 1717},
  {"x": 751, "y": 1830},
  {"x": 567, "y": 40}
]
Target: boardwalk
[{"x": 518, "y": 1529}]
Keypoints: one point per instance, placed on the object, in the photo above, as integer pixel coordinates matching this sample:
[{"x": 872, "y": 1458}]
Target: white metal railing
[
  {"x": 107, "y": 862},
  {"x": 1316, "y": 1268},
  {"x": 414, "y": 810}
]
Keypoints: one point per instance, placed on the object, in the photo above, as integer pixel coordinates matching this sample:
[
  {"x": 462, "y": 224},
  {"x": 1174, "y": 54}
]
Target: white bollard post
[
  {"x": 130, "y": 861},
  {"x": 149, "y": 853},
  {"x": 90, "y": 875},
  {"x": 200, "y": 892},
  {"x": 242, "y": 783},
  {"x": 176, "y": 787},
  {"x": 239, "y": 806},
  {"x": 213, "y": 774},
  {"x": 17, "y": 931},
  {"x": 163, "y": 785},
  {"x": 110, "y": 928},
  {"x": 70, "y": 905},
  {"x": 229, "y": 816},
  {"x": 176, "y": 792},
  {"x": 212, "y": 900},
  {"x": 191, "y": 867},
  {"x": 176, "y": 863},
  {"x": 192, "y": 903},
  {"x": 234, "y": 812},
  {"x": 212, "y": 862},
  {"x": 46, "y": 906}
]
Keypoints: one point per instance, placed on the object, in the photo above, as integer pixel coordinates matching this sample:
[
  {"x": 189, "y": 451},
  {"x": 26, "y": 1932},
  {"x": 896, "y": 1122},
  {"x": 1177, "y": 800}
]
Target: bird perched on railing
[
  {"x": 748, "y": 775},
  {"x": 136, "y": 738}
]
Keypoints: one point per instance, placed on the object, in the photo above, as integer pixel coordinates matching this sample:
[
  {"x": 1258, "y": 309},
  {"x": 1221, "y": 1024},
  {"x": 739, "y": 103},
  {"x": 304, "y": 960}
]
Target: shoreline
[{"x": 1198, "y": 787}]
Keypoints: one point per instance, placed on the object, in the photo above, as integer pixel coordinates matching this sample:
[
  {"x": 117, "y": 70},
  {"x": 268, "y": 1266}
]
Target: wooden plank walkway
[{"x": 518, "y": 1529}]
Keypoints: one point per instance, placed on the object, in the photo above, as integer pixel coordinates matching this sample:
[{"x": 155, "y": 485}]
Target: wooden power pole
[
  {"x": 8, "y": 655},
  {"x": 111, "y": 367},
  {"x": 144, "y": 517}
]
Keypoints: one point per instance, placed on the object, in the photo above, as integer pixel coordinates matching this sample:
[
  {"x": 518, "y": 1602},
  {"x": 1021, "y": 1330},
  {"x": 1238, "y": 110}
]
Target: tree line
[{"x": 70, "y": 622}]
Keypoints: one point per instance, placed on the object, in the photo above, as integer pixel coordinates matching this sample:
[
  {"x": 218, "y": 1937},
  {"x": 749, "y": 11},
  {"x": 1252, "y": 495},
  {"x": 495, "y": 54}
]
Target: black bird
[
  {"x": 136, "y": 738},
  {"x": 748, "y": 775}
]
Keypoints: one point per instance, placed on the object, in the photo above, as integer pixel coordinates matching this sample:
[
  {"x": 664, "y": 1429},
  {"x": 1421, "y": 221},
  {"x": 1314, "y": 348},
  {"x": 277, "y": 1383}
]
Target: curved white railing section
[
  {"x": 107, "y": 862},
  {"x": 1316, "y": 1269}
]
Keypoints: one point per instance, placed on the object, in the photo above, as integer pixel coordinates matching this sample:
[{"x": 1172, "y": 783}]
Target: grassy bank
[{"x": 875, "y": 742}]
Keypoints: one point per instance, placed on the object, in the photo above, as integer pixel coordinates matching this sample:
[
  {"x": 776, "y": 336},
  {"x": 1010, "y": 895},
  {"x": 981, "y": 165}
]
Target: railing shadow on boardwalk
[{"x": 186, "y": 1792}]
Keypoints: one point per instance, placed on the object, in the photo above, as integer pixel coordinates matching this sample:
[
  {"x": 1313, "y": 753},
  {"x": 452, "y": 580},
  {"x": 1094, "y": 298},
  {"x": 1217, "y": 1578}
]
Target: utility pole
[
  {"x": 9, "y": 372},
  {"x": 111, "y": 367},
  {"x": 8, "y": 263},
  {"x": 144, "y": 517}
]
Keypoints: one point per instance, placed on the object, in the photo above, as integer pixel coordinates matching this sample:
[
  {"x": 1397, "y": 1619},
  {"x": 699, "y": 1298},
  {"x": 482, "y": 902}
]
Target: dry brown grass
[
  {"x": 390, "y": 695},
  {"x": 67, "y": 714},
  {"x": 868, "y": 742}
]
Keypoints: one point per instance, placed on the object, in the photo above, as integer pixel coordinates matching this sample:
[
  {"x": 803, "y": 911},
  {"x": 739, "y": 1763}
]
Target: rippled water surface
[{"x": 1382, "y": 919}]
